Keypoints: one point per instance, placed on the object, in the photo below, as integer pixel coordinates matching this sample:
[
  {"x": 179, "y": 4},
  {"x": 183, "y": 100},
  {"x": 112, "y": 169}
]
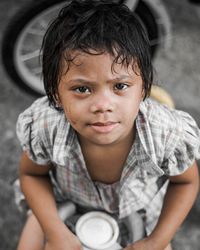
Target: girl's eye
[
  {"x": 82, "y": 89},
  {"x": 121, "y": 86}
]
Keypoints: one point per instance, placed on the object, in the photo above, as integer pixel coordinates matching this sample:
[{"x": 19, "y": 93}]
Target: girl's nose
[{"x": 102, "y": 102}]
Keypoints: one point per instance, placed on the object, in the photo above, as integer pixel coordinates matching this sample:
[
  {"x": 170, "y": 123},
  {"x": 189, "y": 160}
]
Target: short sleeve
[
  {"x": 30, "y": 133},
  {"x": 183, "y": 145}
]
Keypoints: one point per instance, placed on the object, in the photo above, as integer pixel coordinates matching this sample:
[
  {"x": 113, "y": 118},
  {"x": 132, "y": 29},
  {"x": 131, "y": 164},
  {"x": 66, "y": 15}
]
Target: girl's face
[{"x": 100, "y": 103}]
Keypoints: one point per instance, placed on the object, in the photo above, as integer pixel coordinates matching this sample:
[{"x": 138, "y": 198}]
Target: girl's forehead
[{"x": 94, "y": 60}]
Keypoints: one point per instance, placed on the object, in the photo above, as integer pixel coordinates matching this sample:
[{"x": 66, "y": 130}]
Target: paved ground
[{"x": 178, "y": 71}]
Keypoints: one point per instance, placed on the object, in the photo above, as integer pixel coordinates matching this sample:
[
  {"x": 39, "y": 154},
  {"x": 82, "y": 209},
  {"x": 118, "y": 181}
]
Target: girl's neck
[
  {"x": 100, "y": 158},
  {"x": 123, "y": 145}
]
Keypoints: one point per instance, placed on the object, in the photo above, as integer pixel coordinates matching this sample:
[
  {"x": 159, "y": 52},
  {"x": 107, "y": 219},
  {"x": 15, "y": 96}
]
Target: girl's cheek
[{"x": 69, "y": 113}]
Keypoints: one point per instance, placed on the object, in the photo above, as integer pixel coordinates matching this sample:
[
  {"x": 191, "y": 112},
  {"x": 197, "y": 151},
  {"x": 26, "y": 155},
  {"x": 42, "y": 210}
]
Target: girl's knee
[
  {"x": 169, "y": 247},
  {"x": 32, "y": 236}
]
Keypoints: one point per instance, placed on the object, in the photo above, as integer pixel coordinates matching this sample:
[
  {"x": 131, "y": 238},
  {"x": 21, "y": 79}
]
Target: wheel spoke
[
  {"x": 37, "y": 71},
  {"x": 30, "y": 55},
  {"x": 44, "y": 24},
  {"x": 36, "y": 32},
  {"x": 131, "y": 4},
  {"x": 160, "y": 40}
]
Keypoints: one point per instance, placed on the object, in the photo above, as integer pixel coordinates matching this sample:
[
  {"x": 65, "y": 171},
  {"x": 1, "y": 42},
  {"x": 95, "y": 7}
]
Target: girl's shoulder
[
  {"x": 41, "y": 114},
  {"x": 162, "y": 115},
  {"x": 171, "y": 135},
  {"x": 39, "y": 128},
  {"x": 166, "y": 118},
  {"x": 40, "y": 108},
  {"x": 165, "y": 121}
]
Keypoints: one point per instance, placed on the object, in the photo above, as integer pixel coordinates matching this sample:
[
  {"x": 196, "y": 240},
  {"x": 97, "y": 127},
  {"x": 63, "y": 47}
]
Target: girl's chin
[{"x": 102, "y": 140}]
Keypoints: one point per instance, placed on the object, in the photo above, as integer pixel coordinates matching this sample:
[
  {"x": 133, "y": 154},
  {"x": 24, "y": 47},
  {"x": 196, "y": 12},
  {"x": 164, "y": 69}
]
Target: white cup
[{"x": 97, "y": 231}]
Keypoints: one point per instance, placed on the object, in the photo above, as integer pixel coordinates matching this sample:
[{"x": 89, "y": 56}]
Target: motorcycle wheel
[{"x": 23, "y": 37}]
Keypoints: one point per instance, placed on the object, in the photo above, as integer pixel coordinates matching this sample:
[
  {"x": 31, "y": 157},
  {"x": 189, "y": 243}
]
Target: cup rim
[{"x": 104, "y": 216}]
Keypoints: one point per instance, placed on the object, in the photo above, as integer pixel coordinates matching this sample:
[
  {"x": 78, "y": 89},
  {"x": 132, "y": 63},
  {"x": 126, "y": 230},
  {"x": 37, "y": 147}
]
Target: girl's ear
[{"x": 142, "y": 94}]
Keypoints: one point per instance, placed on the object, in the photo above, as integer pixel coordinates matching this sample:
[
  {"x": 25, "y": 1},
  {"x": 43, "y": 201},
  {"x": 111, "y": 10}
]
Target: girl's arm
[
  {"x": 37, "y": 188},
  {"x": 180, "y": 197}
]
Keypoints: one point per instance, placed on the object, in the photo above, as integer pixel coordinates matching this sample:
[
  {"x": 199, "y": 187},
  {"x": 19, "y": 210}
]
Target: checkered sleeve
[
  {"x": 29, "y": 129},
  {"x": 183, "y": 145}
]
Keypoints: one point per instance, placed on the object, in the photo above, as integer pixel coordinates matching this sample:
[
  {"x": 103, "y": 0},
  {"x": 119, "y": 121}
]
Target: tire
[
  {"x": 13, "y": 40},
  {"x": 30, "y": 18}
]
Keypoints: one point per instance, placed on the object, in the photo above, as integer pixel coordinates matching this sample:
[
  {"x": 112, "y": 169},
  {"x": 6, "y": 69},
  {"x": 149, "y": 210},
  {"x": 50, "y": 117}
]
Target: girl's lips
[{"x": 104, "y": 127}]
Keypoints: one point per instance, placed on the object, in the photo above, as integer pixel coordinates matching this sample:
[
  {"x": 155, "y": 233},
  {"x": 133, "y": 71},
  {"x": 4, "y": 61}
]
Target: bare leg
[
  {"x": 32, "y": 236},
  {"x": 168, "y": 247}
]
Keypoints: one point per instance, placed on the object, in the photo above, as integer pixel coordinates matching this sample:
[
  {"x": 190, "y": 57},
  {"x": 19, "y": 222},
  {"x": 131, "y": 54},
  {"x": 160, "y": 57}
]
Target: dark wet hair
[{"x": 94, "y": 27}]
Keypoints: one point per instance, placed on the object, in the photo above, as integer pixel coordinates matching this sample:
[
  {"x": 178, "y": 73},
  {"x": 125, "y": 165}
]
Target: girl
[{"x": 107, "y": 146}]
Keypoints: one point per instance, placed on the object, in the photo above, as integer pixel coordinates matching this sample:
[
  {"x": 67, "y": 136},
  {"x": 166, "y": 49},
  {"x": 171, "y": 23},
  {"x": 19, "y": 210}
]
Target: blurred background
[{"x": 177, "y": 71}]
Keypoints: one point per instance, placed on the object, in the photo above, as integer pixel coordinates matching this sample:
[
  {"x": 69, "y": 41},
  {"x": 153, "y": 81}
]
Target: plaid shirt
[{"x": 167, "y": 142}]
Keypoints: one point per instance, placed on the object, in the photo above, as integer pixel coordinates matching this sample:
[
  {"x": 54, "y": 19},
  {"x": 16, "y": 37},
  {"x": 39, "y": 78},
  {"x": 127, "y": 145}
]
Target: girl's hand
[
  {"x": 63, "y": 241},
  {"x": 70, "y": 243},
  {"x": 144, "y": 244}
]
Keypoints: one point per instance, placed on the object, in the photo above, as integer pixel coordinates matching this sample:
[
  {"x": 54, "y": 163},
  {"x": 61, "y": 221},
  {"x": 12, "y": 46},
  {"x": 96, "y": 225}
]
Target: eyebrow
[{"x": 87, "y": 81}]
